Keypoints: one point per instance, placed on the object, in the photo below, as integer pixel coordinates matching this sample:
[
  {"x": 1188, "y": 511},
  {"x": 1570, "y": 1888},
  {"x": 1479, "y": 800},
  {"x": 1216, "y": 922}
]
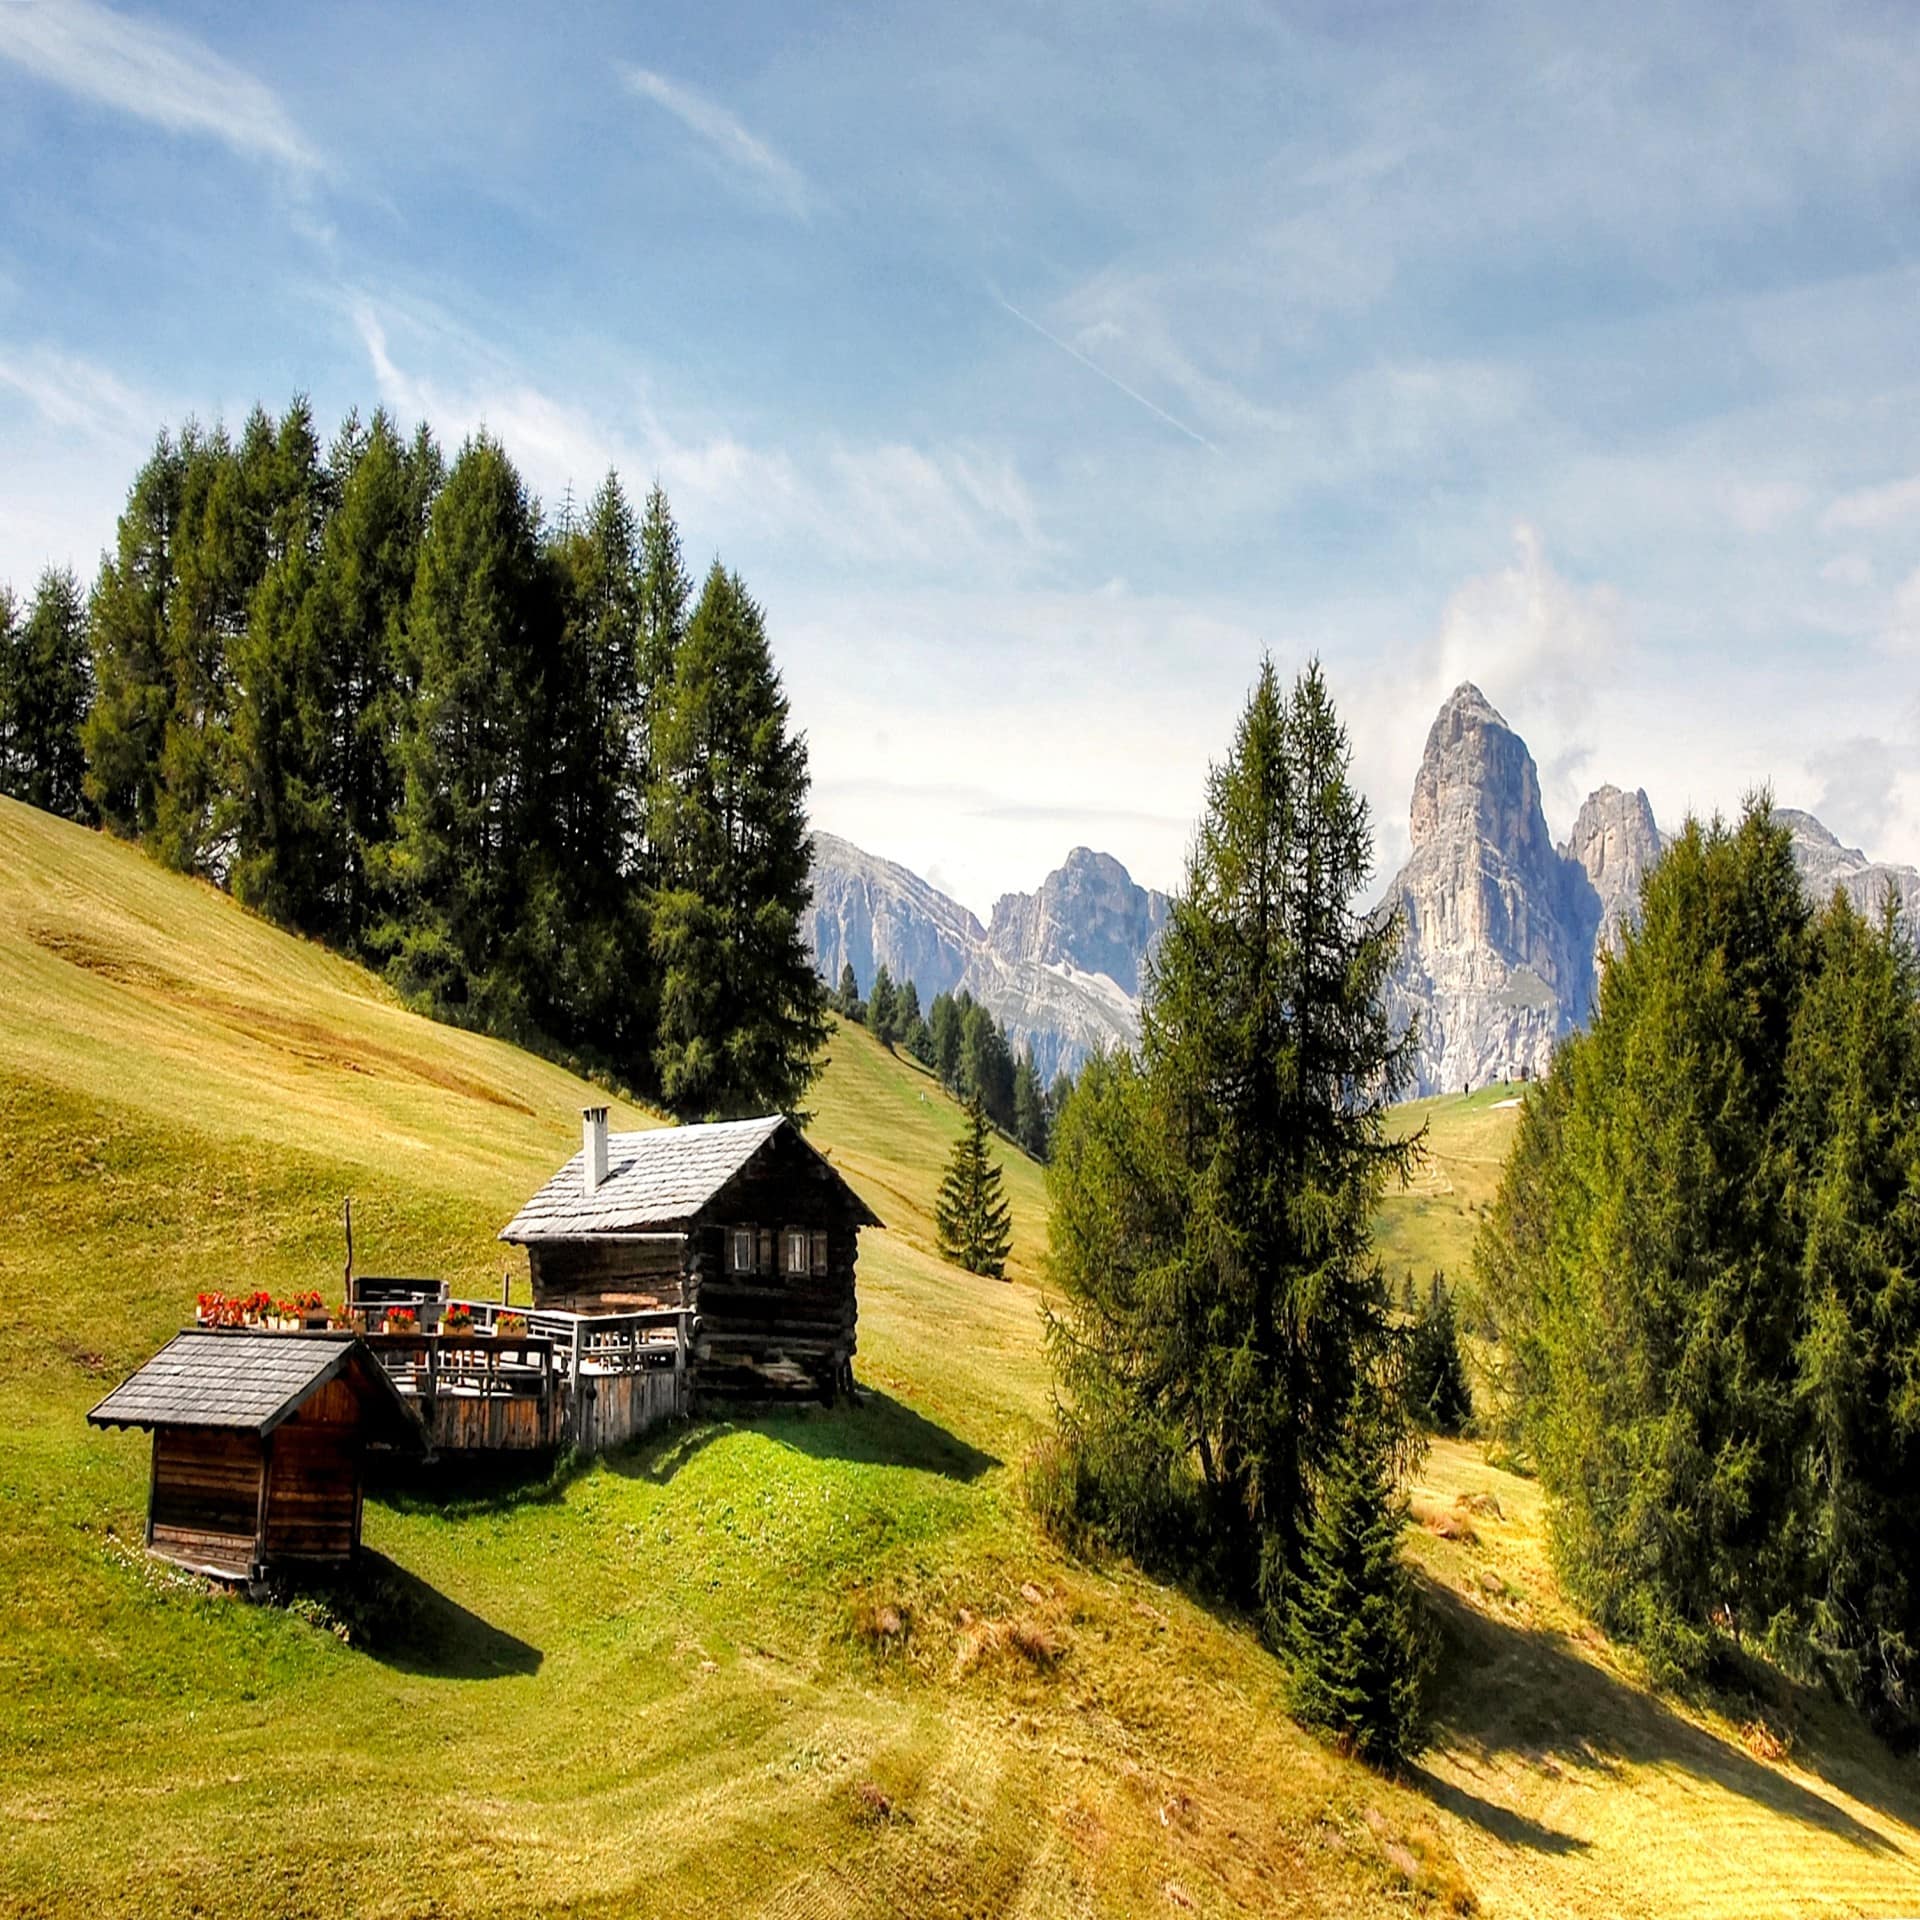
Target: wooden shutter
[{"x": 819, "y": 1253}]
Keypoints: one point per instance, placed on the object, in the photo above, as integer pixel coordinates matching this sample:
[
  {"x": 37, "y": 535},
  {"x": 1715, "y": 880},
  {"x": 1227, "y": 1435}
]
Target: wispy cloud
[
  {"x": 154, "y": 72},
  {"x": 727, "y": 139},
  {"x": 1093, "y": 366},
  {"x": 1874, "y": 509},
  {"x": 77, "y": 395}
]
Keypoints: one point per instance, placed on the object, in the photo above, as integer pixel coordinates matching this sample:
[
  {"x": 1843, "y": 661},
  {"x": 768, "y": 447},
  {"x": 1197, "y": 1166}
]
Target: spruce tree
[
  {"x": 1437, "y": 1391},
  {"x": 1646, "y": 1288},
  {"x": 363, "y": 587},
  {"x": 46, "y": 687},
  {"x": 1352, "y": 1634},
  {"x": 276, "y": 803},
  {"x": 971, "y": 1216},
  {"x": 741, "y": 1021},
  {"x": 666, "y": 596},
  {"x": 129, "y": 618},
  {"x": 985, "y": 1071},
  {"x": 1029, "y": 1107},
  {"x": 946, "y": 1025},
  {"x": 1854, "y": 1121},
  {"x": 1210, "y": 1354},
  {"x": 470, "y": 828},
  {"x": 880, "y": 1005},
  {"x": 846, "y": 997}
]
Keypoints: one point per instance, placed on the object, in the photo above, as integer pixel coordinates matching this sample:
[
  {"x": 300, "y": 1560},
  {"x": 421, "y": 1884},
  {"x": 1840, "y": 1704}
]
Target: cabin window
[
  {"x": 798, "y": 1250},
  {"x": 742, "y": 1255},
  {"x": 819, "y": 1253}
]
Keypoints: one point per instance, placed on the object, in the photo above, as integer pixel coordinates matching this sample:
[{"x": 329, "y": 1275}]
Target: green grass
[
  {"x": 1429, "y": 1225},
  {"x": 806, "y": 1664}
]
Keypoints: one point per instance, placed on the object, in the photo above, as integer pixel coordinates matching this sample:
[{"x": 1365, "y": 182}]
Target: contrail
[{"x": 1093, "y": 366}]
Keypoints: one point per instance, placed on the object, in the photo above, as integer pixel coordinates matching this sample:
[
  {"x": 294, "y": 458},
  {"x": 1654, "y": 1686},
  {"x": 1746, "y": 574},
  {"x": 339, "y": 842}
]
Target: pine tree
[
  {"x": 1646, "y": 1292},
  {"x": 128, "y": 621},
  {"x": 666, "y": 595},
  {"x": 46, "y": 687},
  {"x": 275, "y": 799},
  {"x": 946, "y": 1027},
  {"x": 1437, "y": 1390},
  {"x": 985, "y": 1070},
  {"x": 1210, "y": 1354},
  {"x": 846, "y": 997},
  {"x": 470, "y": 828},
  {"x": 971, "y": 1216},
  {"x": 880, "y": 1005},
  {"x": 10, "y": 763},
  {"x": 364, "y": 585},
  {"x": 741, "y": 1021},
  {"x": 1854, "y": 1120},
  {"x": 1352, "y": 1633},
  {"x": 1029, "y": 1107}
]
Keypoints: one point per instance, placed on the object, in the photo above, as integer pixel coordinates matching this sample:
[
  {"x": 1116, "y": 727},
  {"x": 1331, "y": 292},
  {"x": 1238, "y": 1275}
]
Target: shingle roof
[
  {"x": 249, "y": 1381},
  {"x": 657, "y": 1182}
]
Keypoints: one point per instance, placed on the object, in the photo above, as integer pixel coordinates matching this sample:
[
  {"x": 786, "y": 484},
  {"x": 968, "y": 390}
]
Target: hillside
[{"x": 807, "y": 1664}]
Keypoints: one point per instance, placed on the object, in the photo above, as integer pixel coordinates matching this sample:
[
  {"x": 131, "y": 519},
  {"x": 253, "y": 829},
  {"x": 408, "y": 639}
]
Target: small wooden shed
[
  {"x": 258, "y": 1441},
  {"x": 743, "y": 1224}
]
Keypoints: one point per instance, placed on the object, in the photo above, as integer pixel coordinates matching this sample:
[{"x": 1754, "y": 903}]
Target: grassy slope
[
  {"x": 1432, "y": 1223},
  {"x": 655, "y": 1688}
]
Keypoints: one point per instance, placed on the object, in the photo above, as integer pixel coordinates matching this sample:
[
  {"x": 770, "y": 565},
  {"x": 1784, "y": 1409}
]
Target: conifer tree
[
  {"x": 985, "y": 1071},
  {"x": 385, "y": 489},
  {"x": 880, "y": 1005},
  {"x": 129, "y": 618},
  {"x": 46, "y": 687},
  {"x": 276, "y": 802},
  {"x": 1210, "y": 1354},
  {"x": 1352, "y": 1634},
  {"x": 470, "y": 827},
  {"x": 846, "y": 996},
  {"x": 971, "y": 1216},
  {"x": 9, "y": 667},
  {"x": 666, "y": 596},
  {"x": 741, "y": 1020},
  {"x": 946, "y": 1025},
  {"x": 1029, "y": 1107},
  {"x": 1437, "y": 1391}
]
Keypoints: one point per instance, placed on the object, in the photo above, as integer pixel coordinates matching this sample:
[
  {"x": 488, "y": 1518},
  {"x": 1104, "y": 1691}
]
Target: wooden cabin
[
  {"x": 258, "y": 1441},
  {"x": 742, "y": 1224}
]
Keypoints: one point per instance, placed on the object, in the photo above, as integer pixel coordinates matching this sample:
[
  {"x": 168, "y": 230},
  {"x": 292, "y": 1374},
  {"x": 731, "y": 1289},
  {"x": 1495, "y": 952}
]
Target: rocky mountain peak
[
  {"x": 1088, "y": 914},
  {"x": 1477, "y": 778},
  {"x": 1615, "y": 842}
]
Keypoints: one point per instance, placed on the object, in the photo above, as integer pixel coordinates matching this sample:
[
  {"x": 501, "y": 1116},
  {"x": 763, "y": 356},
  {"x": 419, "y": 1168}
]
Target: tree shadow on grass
[
  {"x": 1511, "y": 1691},
  {"x": 399, "y": 1620},
  {"x": 878, "y": 1430}
]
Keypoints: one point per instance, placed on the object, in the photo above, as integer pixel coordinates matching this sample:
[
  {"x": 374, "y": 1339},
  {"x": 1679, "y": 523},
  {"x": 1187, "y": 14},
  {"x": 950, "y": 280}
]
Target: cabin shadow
[
  {"x": 399, "y": 1620},
  {"x": 1508, "y": 1691},
  {"x": 875, "y": 1430},
  {"x": 456, "y": 1486}
]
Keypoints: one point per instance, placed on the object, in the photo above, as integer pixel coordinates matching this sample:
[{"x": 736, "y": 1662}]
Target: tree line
[
  {"x": 966, "y": 1046},
  {"x": 1704, "y": 1264},
  {"x": 529, "y": 768}
]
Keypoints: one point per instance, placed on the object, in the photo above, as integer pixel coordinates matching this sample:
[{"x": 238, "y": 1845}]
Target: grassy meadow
[{"x": 812, "y": 1664}]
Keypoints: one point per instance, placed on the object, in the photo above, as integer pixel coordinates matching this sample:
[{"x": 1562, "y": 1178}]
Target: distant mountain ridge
[
  {"x": 1060, "y": 967},
  {"x": 1504, "y": 930}
]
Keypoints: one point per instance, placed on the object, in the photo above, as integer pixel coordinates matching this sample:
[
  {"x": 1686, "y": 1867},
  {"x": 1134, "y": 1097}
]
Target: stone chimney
[{"x": 593, "y": 1148}]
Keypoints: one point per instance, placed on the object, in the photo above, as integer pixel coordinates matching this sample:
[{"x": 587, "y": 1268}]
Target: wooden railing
[{"x": 556, "y": 1347}]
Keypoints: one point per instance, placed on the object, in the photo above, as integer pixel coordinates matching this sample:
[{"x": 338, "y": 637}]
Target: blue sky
[{"x": 1040, "y": 366}]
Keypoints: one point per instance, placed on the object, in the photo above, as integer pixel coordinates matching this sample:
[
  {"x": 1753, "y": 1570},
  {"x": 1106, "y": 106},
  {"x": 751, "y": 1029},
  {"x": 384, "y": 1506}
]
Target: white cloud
[
  {"x": 154, "y": 72},
  {"x": 873, "y": 507},
  {"x": 1874, "y": 509},
  {"x": 77, "y": 395},
  {"x": 728, "y": 140}
]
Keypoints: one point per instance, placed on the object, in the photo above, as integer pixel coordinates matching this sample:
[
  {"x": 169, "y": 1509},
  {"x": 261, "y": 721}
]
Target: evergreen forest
[{"x": 534, "y": 769}]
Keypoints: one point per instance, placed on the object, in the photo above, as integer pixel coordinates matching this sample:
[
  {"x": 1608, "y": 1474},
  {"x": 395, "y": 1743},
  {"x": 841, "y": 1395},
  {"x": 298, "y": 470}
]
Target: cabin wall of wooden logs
[{"x": 231, "y": 1501}]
